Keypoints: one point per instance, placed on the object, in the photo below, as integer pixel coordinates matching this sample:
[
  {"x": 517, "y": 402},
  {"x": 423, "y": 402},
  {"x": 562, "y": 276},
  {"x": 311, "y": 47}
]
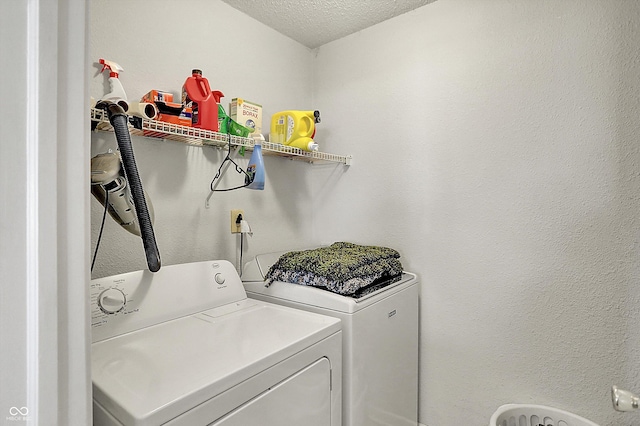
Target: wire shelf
[{"x": 200, "y": 137}]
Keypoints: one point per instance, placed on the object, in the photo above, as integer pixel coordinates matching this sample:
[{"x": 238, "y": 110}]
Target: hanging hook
[{"x": 226, "y": 162}]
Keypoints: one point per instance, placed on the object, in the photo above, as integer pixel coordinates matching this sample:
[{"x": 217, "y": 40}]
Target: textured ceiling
[{"x": 316, "y": 22}]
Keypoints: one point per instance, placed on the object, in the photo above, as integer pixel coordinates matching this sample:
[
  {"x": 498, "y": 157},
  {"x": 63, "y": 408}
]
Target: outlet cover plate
[{"x": 235, "y": 227}]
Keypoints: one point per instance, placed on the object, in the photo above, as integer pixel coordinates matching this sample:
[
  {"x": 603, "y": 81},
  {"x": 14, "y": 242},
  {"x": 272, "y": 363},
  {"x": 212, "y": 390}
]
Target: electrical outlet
[{"x": 235, "y": 223}]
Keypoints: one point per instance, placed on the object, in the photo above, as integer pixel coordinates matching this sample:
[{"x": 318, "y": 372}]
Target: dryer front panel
[{"x": 303, "y": 399}]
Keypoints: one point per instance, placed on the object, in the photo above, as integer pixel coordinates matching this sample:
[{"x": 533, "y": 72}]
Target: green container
[
  {"x": 223, "y": 120},
  {"x": 237, "y": 129},
  {"x": 227, "y": 125}
]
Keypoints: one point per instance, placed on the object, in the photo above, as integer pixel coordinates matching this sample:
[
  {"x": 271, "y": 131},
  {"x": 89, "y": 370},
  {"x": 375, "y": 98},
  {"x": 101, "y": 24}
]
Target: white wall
[
  {"x": 495, "y": 145},
  {"x": 158, "y": 43}
]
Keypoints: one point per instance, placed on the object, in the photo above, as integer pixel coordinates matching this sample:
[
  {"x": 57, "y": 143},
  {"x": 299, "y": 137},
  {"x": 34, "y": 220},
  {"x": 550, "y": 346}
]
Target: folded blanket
[{"x": 342, "y": 267}]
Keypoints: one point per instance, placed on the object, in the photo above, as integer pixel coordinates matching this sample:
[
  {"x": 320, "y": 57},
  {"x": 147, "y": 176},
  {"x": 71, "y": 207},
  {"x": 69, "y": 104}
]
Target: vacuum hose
[{"x": 119, "y": 121}]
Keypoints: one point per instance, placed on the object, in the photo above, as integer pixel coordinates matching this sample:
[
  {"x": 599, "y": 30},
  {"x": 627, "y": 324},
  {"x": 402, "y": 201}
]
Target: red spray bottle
[{"x": 204, "y": 102}]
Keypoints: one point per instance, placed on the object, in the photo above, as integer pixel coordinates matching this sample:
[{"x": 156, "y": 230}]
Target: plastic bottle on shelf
[
  {"x": 116, "y": 93},
  {"x": 255, "y": 169},
  {"x": 295, "y": 128},
  {"x": 197, "y": 93},
  {"x": 305, "y": 144}
]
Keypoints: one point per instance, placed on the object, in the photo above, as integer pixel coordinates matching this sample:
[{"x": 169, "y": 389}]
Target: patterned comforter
[{"x": 342, "y": 267}]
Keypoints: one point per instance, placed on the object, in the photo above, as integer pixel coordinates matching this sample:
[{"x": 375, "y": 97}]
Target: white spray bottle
[{"x": 117, "y": 91}]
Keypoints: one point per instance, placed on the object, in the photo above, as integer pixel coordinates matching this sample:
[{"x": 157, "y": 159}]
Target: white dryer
[
  {"x": 380, "y": 342},
  {"x": 185, "y": 346}
]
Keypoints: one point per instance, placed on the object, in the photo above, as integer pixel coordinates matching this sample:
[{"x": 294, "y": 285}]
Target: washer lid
[
  {"x": 253, "y": 279},
  {"x": 150, "y": 376}
]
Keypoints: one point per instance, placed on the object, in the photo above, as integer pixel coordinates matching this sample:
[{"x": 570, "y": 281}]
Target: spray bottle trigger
[{"x": 113, "y": 67}]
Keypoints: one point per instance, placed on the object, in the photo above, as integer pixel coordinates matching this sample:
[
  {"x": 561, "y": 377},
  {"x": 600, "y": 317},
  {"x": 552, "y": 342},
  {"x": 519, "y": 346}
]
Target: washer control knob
[
  {"x": 219, "y": 278},
  {"x": 112, "y": 300}
]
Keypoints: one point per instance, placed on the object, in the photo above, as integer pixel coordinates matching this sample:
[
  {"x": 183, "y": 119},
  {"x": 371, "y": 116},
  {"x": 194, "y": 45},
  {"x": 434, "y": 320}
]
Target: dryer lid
[{"x": 150, "y": 376}]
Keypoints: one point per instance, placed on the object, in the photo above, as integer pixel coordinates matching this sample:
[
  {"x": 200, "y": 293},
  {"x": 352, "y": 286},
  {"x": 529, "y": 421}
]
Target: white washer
[
  {"x": 380, "y": 342},
  {"x": 185, "y": 346}
]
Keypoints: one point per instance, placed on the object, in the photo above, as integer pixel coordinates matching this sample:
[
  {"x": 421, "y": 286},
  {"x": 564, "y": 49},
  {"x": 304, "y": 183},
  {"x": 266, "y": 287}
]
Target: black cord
[{"x": 104, "y": 215}]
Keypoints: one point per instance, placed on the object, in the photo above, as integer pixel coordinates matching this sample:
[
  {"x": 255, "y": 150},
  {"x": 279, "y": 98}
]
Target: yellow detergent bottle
[{"x": 295, "y": 128}]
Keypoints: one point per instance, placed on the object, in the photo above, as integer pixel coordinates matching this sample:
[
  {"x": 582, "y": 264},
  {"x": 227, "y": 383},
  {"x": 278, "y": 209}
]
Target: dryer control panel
[{"x": 134, "y": 300}]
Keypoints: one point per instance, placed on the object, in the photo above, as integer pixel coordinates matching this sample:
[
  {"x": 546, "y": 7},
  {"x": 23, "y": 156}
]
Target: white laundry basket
[{"x": 535, "y": 415}]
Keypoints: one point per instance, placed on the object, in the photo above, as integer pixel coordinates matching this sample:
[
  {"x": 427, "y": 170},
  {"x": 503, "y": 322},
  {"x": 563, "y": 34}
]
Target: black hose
[{"x": 119, "y": 121}]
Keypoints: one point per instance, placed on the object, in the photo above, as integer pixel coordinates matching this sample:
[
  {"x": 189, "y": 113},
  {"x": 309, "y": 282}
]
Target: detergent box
[
  {"x": 246, "y": 113},
  {"x": 157, "y": 95}
]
